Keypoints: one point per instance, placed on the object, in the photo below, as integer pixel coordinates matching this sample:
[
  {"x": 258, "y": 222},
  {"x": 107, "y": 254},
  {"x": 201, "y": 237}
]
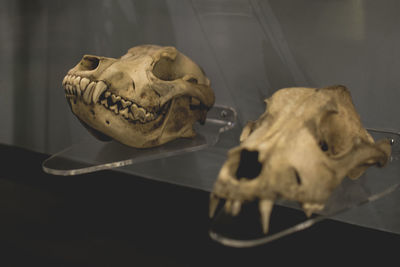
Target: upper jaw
[{"x": 97, "y": 92}]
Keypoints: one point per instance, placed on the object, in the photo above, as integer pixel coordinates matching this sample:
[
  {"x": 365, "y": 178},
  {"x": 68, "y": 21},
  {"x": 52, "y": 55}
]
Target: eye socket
[
  {"x": 89, "y": 63},
  {"x": 249, "y": 166},
  {"x": 323, "y": 145}
]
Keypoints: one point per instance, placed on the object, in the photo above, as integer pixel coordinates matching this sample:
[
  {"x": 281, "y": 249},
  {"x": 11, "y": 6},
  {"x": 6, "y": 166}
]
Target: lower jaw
[{"x": 105, "y": 125}]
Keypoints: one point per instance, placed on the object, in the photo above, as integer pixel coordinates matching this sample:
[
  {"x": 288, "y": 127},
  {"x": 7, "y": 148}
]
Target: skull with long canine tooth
[
  {"x": 149, "y": 96},
  {"x": 299, "y": 149}
]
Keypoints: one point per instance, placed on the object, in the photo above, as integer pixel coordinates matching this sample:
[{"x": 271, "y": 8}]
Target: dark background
[{"x": 248, "y": 49}]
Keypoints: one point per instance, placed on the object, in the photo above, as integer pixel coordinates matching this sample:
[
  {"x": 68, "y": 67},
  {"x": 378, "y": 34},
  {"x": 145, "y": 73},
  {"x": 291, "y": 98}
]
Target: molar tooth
[
  {"x": 107, "y": 94},
  {"x": 88, "y": 94},
  {"x": 125, "y": 103},
  {"x": 115, "y": 98},
  {"x": 98, "y": 90},
  {"x": 124, "y": 112},
  {"x": 114, "y": 108},
  {"x": 84, "y": 83},
  {"x": 104, "y": 102}
]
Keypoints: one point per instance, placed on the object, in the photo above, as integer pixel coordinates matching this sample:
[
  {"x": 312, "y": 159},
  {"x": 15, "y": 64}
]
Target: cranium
[
  {"x": 299, "y": 149},
  {"x": 149, "y": 96}
]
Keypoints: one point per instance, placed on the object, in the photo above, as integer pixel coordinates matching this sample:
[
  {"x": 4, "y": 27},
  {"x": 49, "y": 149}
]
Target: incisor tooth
[
  {"x": 214, "y": 200},
  {"x": 76, "y": 81},
  {"x": 84, "y": 83},
  {"x": 87, "y": 95},
  {"x": 265, "y": 207},
  {"x": 98, "y": 90},
  {"x": 69, "y": 78},
  {"x": 236, "y": 206},
  {"x": 64, "y": 82}
]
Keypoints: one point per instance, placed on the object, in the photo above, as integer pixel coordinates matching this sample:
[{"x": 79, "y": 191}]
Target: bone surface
[
  {"x": 300, "y": 149},
  {"x": 149, "y": 96}
]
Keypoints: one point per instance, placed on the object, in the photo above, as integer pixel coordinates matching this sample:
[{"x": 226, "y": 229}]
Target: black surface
[{"x": 113, "y": 219}]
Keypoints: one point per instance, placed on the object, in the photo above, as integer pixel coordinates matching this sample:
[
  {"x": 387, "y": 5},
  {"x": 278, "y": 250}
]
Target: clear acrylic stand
[
  {"x": 93, "y": 155},
  {"x": 374, "y": 184}
]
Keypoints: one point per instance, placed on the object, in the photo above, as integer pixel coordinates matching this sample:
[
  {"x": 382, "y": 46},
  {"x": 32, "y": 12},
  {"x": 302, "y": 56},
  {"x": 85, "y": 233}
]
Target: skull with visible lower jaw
[
  {"x": 299, "y": 149},
  {"x": 149, "y": 96}
]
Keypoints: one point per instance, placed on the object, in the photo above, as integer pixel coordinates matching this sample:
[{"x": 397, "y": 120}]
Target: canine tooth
[
  {"x": 265, "y": 207},
  {"x": 87, "y": 95},
  {"x": 114, "y": 108},
  {"x": 107, "y": 94},
  {"x": 125, "y": 103},
  {"x": 115, "y": 98},
  {"x": 124, "y": 112},
  {"x": 84, "y": 83},
  {"x": 104, "y": 102},
  {"x": 214, "y": 200},
  {"x": 98, "y": 90}
]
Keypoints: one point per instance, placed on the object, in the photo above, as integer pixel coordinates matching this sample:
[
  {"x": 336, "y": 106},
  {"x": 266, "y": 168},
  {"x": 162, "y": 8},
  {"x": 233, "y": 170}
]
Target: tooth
[
  {"x": 148, "y": 117},
  {"x": 114, "y": 108},
  {"x": 107, "y": 94},
  {"x": 265, "y": 207},
  {"x": 141, "y": 113},
  {"x": 68, "y": 87},
  {"x": 236, "y": 206},
  {"x": 134, "y": 110},
  {"x": 194, "y": 102},
  {"x": 84, "y": 83},
  {"x": 88, "y": 94},
  {"x": 115, "y": 98},
  {"x": 104, "y": 102},
  {"x": 69, "y": 78},
  {"x": 76, "y": 81},
  {"x": 64, "y": 82},
  {"x": 124, "y": 112},
  {"x": 98, "y": 90},
  {"x": 214, "y": 200},
  {"x": 78, "y": 90},
  {"x": 310, "y": 208},
  {"x": 125, "y": 103},
  {"x": 228, "y": 206},
  {"x": 130, "y": 115}
]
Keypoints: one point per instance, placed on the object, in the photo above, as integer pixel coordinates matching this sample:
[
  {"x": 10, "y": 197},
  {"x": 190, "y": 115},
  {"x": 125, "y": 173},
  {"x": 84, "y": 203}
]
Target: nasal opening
[
  {"x": 89, "y": 63},
  {"x": 249, "y": 166}
]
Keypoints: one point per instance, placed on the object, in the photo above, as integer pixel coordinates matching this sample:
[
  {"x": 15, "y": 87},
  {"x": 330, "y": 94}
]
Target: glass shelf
[
  {"x": 374, "y": 184},
  {"x": 93, "y": 155}
]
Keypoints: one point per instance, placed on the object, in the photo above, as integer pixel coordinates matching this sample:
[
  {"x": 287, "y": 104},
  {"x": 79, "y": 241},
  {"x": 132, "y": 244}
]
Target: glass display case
[{"x": 248, "y": 49}]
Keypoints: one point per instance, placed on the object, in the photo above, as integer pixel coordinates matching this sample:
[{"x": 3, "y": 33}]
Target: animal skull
[
  {"x": 149, "y": 96},
  {"x": 299, "y": 149}
]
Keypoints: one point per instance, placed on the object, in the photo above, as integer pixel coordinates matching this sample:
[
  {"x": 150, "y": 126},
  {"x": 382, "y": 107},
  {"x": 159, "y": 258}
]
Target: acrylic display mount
[{"x": 92, "y": 155}]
